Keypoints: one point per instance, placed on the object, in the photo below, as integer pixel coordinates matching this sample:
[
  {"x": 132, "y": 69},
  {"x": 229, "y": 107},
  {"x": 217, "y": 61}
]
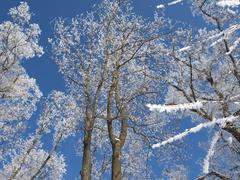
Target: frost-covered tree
[
  {"x": 22, "y": 155},
  {"x": 18, "y": 92},
  {"x": 30, "y": 160},
  {"x": 107, "y": 59},
  {"x": 204, "y": 82}
]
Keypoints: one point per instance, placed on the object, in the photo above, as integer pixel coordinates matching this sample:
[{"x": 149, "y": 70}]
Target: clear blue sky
[{"x": 46, "y": 73}]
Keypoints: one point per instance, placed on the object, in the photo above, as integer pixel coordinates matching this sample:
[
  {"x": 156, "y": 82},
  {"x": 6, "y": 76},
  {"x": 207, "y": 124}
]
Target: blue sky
[{"x": 45, "y": 71}]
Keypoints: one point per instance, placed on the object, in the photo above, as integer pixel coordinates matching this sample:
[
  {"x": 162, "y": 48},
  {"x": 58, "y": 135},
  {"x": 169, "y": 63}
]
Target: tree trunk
[
  {"x": 116, "y": 162},
  {"x": 117, "y": 142},
  {"x": 86, "y": 162}
]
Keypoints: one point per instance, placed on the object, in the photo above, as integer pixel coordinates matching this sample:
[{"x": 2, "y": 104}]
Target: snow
[
  {"x": 184, "y": 49},
  {"x": 174, "y": 2},
  {"x": 174, "y": 108},
  {"x": 117, "y": 139},
  {"x": 160, "y": 6},
  {"x": 231, "y": 3},
  {"x": 230, "y": 140},
  {"x": 206, "y": 161},
  {"x": 196, "y": 129}
]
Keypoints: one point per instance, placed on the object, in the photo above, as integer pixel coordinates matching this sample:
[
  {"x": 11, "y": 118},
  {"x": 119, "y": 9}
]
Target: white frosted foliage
[
  {"x": 21, "y": 13},
  {"x": 61, "y": 113},
  {"x": 27, "y": 167},
  {"x": 19, "y": 93}
]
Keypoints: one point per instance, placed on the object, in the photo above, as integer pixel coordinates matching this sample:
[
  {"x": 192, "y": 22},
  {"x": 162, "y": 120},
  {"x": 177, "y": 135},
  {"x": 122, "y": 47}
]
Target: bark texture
[{"x": 86, "y": 162}]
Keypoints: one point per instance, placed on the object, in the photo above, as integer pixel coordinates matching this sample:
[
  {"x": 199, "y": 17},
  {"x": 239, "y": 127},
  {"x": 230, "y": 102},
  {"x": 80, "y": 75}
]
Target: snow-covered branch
[
  {"x": 174, "y": 108},
  {"x": 161, "y": 6},
  {"x": 196, "y": 129},
  {"x": 206, "y": 162},
  {"x": 174, "y": 2}
]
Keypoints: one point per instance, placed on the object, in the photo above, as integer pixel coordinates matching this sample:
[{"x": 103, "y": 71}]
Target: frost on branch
[
  {"x": 21, "y": 13},
  {"x": 230, "y": 3},
  {"x": 62, "y": 114},
  {"x": 19, "y": 96},
  {"x": 19, "y": 93},
  {"x": 19, "y": 41},
  {"x": 16, "y": 105},
  {"x": 24, "y": 166},
  {"x": 16, "y": 87}
]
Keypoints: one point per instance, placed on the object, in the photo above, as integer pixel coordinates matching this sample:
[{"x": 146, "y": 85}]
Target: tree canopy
[{"x": 135, "y": 89}]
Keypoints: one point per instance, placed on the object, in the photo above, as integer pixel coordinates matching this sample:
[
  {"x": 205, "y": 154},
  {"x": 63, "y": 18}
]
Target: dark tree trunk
[
  {"x": 86, "y": 162},
  {"x": 116, "y": 162}
]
